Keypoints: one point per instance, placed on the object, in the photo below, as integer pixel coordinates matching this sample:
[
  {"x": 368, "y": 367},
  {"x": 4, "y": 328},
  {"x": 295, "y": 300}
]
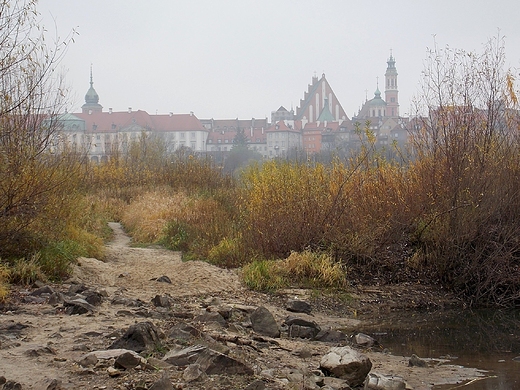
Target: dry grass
[{"x": 147, "y": 216}]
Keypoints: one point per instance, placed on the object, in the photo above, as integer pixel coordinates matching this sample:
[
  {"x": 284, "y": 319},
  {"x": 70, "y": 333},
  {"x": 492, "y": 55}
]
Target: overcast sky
[{"x": 241, "y": 58}]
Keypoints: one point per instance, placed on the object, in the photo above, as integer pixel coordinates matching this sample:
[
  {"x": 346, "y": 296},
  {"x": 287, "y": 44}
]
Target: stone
[
  {"x": 301, "y": 328},
  {"x": 140, "y": 337},
  {"x": 163, "y": 279},
  {"x": 336, "y": 383},
  {"x": 331, "y": 336},
  {"x": 162, "y": 384},
  {"x": 206, "y": 317},
  {"x": 256, "y": 385},
  {"x": 346, "y": 363},
  {"x": 94, "y": 298},
  {"x": 264, "y": 323},
  {"x": 375, "y": 381},
  {"x": 193, "y": 373},
  {"x": 127, "y": 361},
  {"x": 76, "y": 289},
  {"x": 50, "y": 384},
  {"x": 364, "y": 340},
  {"x": 12, "y": 385},
  {"x": 113, "y": 372},
  {"x": 183, "y": 331},
  {"x": 416, "y": 361},
  {"x": 184, "y": 356},
  {"x": 297, "y": 306},
  {"x": 77, "y": 306},
  {"x": 42, "y": 290},
  {"x": 162, "y": 301},
  {"x": 212, "y": 362}
]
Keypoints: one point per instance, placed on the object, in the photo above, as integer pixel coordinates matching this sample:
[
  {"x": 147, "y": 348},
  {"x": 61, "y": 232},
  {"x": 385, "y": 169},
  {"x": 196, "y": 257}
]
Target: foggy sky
[{"x": 242, "y": 58}]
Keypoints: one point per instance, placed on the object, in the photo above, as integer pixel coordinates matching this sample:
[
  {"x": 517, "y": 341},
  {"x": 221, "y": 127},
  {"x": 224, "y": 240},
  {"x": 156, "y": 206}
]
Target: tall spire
[{"x": 91, "y": 98}]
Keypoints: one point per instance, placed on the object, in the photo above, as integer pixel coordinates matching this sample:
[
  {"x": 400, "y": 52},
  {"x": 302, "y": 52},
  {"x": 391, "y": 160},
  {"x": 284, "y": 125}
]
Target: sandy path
[{"x": 133, "y": 268}]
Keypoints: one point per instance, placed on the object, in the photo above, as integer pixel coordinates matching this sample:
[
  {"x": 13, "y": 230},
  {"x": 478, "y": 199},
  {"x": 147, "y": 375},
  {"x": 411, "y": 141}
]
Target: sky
[{"x": 225, "y": 59}]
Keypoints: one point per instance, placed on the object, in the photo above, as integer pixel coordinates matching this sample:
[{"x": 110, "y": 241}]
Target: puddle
[{"x": 483, "y": 339}]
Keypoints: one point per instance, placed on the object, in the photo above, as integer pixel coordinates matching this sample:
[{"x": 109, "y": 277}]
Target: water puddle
[{"x": 483, "y": 339}]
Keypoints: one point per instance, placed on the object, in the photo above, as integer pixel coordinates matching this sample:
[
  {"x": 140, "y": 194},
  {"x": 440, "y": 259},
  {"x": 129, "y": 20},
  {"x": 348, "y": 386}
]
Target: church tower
[
  {"x": 391, "y": 92},
  {"x": 91, "y": 99}
]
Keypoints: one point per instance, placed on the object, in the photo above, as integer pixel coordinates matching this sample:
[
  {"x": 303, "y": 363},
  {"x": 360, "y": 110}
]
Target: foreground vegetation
[{"x": 447, "y": 211}]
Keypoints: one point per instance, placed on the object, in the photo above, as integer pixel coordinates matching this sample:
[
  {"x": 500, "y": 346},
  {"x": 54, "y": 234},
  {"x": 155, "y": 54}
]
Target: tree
[
  {"x": 35, "y": 176},
  {"x": 467, "y": 168}
]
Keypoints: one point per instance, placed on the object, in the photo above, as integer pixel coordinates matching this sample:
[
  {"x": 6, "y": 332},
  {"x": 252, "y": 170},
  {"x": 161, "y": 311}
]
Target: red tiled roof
[{"x": 106, "y": 122}]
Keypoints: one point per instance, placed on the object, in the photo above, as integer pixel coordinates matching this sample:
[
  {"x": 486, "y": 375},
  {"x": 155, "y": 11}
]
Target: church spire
[
  {"x": 391, "y": 91},
  {"x": 91, "y": 98}
]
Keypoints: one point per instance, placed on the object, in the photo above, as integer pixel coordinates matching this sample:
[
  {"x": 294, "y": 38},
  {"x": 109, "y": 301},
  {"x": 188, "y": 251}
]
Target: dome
[{"x": 91, "y": 97}]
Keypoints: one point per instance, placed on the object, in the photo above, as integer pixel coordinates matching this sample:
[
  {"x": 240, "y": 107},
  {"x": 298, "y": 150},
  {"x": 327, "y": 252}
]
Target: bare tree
[
  {"x": 467, "y": 165},
  {"x": 33, "y": 176}
]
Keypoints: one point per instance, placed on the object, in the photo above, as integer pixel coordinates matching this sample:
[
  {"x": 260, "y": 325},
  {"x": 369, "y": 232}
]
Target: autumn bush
[{"x": 300, "y": 270}]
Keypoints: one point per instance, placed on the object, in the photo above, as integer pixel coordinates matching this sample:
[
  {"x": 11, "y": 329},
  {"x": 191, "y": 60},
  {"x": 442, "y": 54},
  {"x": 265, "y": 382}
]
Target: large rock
[
  {"x": 212, "y": 362},
  {"x": 264, "y": 323},
  {"x": 297, "y": 306},
  {"x": 376, "y": 381},
  {"x": 301, "y": 328},
  {"x": 140, "y": 337},
  {"x": 184, "y": 356},
  {"x": 346, "y": 363}
]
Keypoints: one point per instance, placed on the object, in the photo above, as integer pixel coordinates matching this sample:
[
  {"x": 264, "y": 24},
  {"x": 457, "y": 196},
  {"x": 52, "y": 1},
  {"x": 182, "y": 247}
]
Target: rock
[
  {"x": 12, "y": 385},
  {"x": 91, "y": 358},
  {"x": 94, "y": 298},
  {"x": 375, "y": 381},
  {"x": 2, "y": 380},
  {"x": 77, "y": 306},
  {"x": 256, "y": 385},
  {"x": 516, "y": 359},
  {"x": 336, "y": 383},
  {"x": 42, "y": 290},
  {"x": 206, "y": 317},
  {"x": 88, "y": 360},
  {"x": 76, "y": 289},
  {"x": 140, "y": 337},
  {"x": 183, "y": 331},
  {"x": 50, "y": 384},
  {"x": 113, "y": 372},
  {"x": 55, "y": 298},
  {"x": 193, "y": 373},
  {"x": 127, "y": 361},
  {"x": 185, "y": 356},
  {"x": 301, "y": 328},
  {"x": 264, "y": 323},
  {"x": 331, "y": 336},
  {"x": 119, "y": 300},
  {"x": 162, "y": 384},
  {"x": 162, "y": 301},
  {"x": 163, "y": 279},
  {"x": 347, "y": 364},
  {"x": 297, "y": 306},
  {"x": 364, "y": 340},
  {"x": 416, "y": 361},
  {"x": 212, "y": 362},
  {"x": 35, "y": 352}
]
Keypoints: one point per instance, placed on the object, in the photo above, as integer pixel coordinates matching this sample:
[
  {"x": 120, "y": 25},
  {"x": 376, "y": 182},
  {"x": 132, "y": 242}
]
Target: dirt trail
[{"x": 133, "y": 268}]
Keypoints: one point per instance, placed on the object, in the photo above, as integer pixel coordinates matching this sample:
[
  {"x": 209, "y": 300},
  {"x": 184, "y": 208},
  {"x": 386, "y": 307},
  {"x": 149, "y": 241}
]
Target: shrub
[
  {"x": 26, "y": 272},
  {"x": 5, "y": 273},
  {"x": 229, "y": 253},
  {"x": 304, "y": 270}
]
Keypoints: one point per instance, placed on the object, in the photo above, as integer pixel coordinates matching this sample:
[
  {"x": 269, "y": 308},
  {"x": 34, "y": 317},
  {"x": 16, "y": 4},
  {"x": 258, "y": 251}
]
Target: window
[
  {"x": 182, "y": 135},
  {"x": 193, "y": 145},
  {"x": 219, "y": 141},
  {"x": 192, "y": 135}
]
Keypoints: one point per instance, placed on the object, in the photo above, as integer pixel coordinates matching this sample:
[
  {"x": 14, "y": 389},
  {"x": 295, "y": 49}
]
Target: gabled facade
[{"x": 319, "y": 94}]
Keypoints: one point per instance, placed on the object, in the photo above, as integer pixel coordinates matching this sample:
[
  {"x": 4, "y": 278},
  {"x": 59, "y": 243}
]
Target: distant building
[
  {"x": 222, "y": 132},
  {"x": 100, "y": 133},
  {"x": 382, "y": 116}
]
